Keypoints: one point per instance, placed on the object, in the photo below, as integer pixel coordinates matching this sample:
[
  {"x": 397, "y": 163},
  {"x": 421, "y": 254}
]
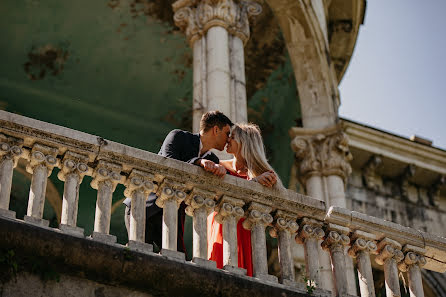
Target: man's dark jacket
[{"x": 183, "y": 146}]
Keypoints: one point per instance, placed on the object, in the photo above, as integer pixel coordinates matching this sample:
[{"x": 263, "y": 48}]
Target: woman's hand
[
  {"x": 267, "y": 179},
  {"x": 215, "y": 169}
]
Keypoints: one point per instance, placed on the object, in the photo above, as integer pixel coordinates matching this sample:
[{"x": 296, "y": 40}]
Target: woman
[{"x": 250, "y": 163}]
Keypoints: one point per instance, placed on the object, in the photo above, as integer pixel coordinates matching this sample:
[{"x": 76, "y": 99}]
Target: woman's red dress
[{"x": 215, "y": 242}]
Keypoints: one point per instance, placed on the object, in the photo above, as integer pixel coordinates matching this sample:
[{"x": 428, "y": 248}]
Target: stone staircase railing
[{"x": 288, "y": 215}]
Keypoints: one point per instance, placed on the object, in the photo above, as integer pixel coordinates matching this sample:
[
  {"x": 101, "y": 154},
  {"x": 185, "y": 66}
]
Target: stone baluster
[
  {"x": 10, "y": 152},
  {"x": 309, "y": 234},
  {"x": 74, "y": 168},
  {"x": 229, "y": 212},
  {"x": 105, "y": 178},
  {"x": 284, "y": 228},
  {"x": 389, "y": 254},
  {"x": 258, "y": 219},
  {"x": 335, "y": 243},
  {"x": 42, "y": 161},
  {"x": 170, "y": 196},
  {"x": 363, "y": 245},
  {"x": 200, "y": 204},
  {"x": 412, "y": 263},
  {"x": 138, "y": 185}
]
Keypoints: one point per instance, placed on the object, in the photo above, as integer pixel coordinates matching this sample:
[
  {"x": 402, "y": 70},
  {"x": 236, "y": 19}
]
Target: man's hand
[
  {"x": 215, "y": 169},
  {"x": 267, "y": 179}
]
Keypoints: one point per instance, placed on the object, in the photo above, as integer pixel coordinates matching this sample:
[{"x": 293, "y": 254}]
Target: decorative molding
[{"x": 42, "y": 155}]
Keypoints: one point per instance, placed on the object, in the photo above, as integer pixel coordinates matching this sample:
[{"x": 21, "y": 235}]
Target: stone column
[
  {"x": 170, "y": 196},
  {"x": 412, "y": 263},
  {"x": 200, "y": 205},
  {"x": 74, "y": 168},
  {"x": 42, "y": 161},
  {"x": 284, "y": 229},
  {"x": 389, "y": 254},
  {"x": 217, "y": 31},
  {"x": 138, "y": 185},
  {"x": 309, "y": 234},
  {"x": 10, "y": 152},
  {"x": 335, "y": 242},
  {"x": 257, "y": 220},
  {"x": 364, "y": 245},
  {"x": 105, "y": 178},
  {"x": 229, "y": 212}
]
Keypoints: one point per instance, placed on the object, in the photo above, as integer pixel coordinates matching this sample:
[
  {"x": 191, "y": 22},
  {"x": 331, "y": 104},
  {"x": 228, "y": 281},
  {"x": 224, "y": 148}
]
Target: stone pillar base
[
  {"x": 173, "y": 254},
  {"x": 268, "y": 278},
  {"x": 105, "y": 238},
  {"x": 36, "y": 221},
  {"x": 204, "y": 263},
  {"x": 7, "y": 213},
  {"x": 142, "y": 247},
  {"x": 75, "y": 231},
  {"x": 235, "y": 269}
]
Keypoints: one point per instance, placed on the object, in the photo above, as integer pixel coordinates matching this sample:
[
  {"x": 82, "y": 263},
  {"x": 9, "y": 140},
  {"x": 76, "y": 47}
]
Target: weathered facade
[{"x": 374, "y": 202}]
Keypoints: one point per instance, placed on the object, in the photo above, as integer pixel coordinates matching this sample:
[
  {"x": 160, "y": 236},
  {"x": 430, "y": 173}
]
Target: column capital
[
  {"x": 195, "y": 17},
  {"x": 389, "y": 249},
  {"x": 309, "y": 228},
  {"x": 11, "y": 148},
  {"x": 336, "y": 238},
  {"x": 74, "y": 163},
  {"x": 362, "y": 241},
  {"x": 199, "y": 198},
  {"x": 229, "y": 206},
  {"x": 284, "y": 221},
  {"x": 108, "y": 173},
  {"x": 258, "y": 214},
  {"x": 170, "y": 190},
  {"x": 322, "y": 152},
  {"x": 139, "y": 181},
  {"x": 413, "y": 256},
  {"x": 42, "y": 155}
]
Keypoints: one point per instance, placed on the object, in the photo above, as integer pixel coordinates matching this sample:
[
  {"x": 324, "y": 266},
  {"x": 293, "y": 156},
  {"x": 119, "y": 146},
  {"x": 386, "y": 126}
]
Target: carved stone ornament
[
  {"x": 413, "y": 256},
  {"x": 10, "y": 148},
  {"x": 322, "y": 153},
  {"x": 108, "y": 173},
  {"x": 434, "y": 191},
  {"x": 363, "y": 241},
  {"x": 42, "y": 155},
  {"x": 196, "y": 17},
  {"x": 199, "y": 198},
  {"x": 409, "y": 172},
  {"x": 168, "y": 190},
  {"x": 139, "y": 181},
  {"x": 258, "y": 214},
  {"x": 74, "y": 163},
  {"x": 309, "y": 229},
  {"x": 371, "y": 178},
  {"x": 335, "y": 241},
  {"x": 284, "y": 222},
  {"x": 229, "y": 206},
  {"x": 388, "y": 249}
]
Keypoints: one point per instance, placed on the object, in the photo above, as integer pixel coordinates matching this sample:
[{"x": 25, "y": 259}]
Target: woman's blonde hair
[{"x": 249, "y": 139}]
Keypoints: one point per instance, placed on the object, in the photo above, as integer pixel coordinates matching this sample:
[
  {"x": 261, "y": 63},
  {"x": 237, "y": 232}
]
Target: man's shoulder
[{"x": 180, "y": 132}]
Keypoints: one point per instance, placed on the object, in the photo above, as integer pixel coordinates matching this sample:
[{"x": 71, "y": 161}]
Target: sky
[{"x": 396, "y": 80}]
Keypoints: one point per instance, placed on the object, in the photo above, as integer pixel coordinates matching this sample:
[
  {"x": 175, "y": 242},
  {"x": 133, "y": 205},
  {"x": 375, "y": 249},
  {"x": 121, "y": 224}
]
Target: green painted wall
[{"x": 110, "y": 69}]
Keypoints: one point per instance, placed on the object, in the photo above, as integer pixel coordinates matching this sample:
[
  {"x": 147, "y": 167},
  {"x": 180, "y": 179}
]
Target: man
[{"x": 215, "y": 128}]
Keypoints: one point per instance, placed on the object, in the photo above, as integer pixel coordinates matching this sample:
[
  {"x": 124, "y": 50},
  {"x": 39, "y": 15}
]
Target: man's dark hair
[{"x": 214, "y": 118}]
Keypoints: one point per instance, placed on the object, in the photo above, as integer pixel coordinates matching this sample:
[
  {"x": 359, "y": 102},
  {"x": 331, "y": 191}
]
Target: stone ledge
[
  {"x": 7, "y": 213},
  {"x": 105, "y": 238},
  {"x": 75, "y": 231},
  {"x": 141, "y": 247},
  {"x": 118, "y": 266},
  {"x": 36, "y": 221}
]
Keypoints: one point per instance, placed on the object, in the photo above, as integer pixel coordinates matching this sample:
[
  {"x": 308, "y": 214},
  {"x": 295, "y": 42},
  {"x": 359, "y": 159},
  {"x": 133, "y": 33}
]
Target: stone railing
[{"x": 288, "y": 215}]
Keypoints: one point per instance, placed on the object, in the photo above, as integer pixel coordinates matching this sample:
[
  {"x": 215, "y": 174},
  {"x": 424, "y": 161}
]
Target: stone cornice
[{"x": 395, "y": 147}]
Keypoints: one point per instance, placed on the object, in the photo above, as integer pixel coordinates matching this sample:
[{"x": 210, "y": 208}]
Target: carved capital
[
  {"x": 107, "y": 173},
  {"x": 434, "y": 191},
  {"x": 257, "y": 214},
  {"x": 321, "y": 152},
  {"x": 74, "y": 163},
  {"x": 199, "y": 198},
  {"x": 362, "y": 241},
  {"x": 10, "y": 148},
  {"x": 139, "y": 181},
  {"x": 335, "y": 241},
  {"x": 42, "y": 155},
  {"x": 284, "y": 221},
  {"x": 170, "y": 190},
  {"x": 389, "y": 249},
  {"x": 229, "y": 206},
  {"x": 413, "y": 256},
  {"x": 196, "y": 17},
  {"x": 309, "y": 228},
  {"x": 371, "y": 178},
  {"x": 409, "y": 172}
]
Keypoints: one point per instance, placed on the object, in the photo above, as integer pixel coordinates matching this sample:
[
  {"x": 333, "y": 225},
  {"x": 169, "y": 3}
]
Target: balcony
[{"x": 98, "y": 259}]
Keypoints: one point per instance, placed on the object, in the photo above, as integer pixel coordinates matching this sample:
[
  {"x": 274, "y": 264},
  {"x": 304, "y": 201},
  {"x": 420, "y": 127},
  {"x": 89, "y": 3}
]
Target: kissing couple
[{"x": 244, "y": 142}]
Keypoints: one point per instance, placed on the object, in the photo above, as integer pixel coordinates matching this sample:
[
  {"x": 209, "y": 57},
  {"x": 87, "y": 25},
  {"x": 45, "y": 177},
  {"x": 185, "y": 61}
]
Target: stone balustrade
[{"x": 285, "y": 214}]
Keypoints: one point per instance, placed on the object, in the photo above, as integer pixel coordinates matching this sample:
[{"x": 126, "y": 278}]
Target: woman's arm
[{"x": 267, "y": 179}]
